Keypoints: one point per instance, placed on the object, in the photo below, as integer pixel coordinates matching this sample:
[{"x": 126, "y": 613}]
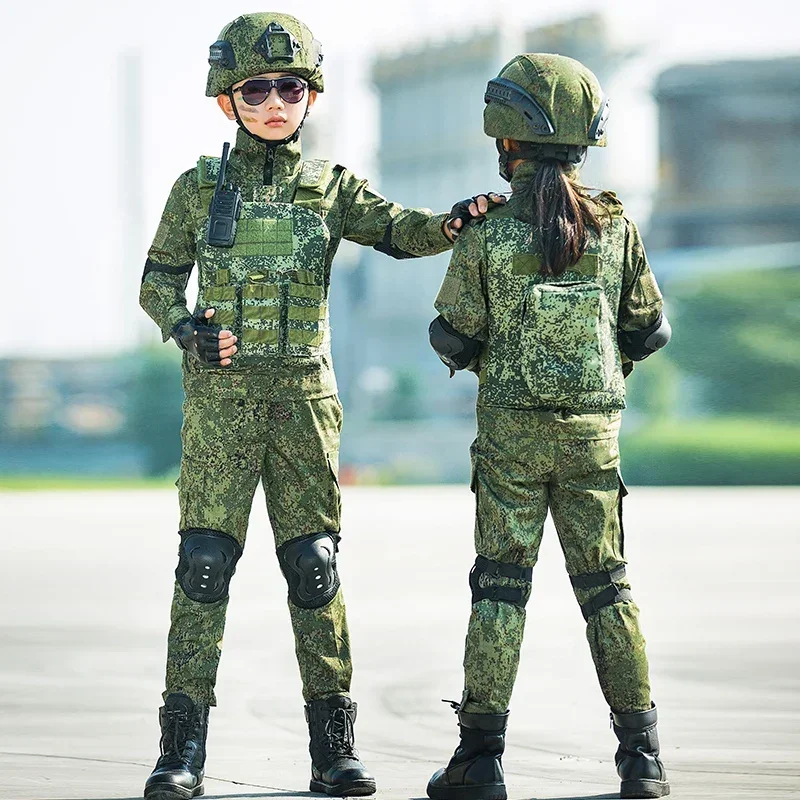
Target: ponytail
[{"x": 562, "y": 212}]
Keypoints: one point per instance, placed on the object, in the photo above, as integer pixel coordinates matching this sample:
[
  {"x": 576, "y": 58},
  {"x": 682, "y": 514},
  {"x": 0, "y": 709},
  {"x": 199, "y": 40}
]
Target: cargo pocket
[
  {"x": 261, "y": 312},
  {"x": 223, "y": 300},
  {"x": 333, "y": 468},
  {"x": 566, "y": 339},
  {"x": 623, "y": 492},
  {"x": 307, "y": 317},
  {"x": 473, "y": 469}
]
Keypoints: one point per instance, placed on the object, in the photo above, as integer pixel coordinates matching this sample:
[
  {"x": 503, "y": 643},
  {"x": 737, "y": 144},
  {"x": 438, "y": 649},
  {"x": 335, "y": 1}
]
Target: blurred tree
[
  {"x": 654, "y": 387},
  {"x": 740, "y": 334},
  {"x": 403, "y": 401},
  {"x": 155, "y": 415}
]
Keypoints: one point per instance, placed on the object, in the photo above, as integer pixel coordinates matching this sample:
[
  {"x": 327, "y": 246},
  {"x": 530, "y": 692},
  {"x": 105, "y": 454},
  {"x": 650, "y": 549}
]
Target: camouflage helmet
[
  {"x": 267, "y": 42},
  {"x": 547, "y": 99}
]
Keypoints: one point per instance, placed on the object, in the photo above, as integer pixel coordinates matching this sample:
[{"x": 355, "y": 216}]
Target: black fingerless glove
[
  {"x": 198, "y": 338},
  {"x": 461, "y": 211}
]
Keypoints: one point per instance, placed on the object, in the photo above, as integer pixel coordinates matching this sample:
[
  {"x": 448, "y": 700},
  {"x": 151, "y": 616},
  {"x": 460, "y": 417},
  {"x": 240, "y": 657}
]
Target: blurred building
[
  {"x": 729, "y": 155},
  {"x": 98, "y": 417},
  {"x": 404, "y": 414}
]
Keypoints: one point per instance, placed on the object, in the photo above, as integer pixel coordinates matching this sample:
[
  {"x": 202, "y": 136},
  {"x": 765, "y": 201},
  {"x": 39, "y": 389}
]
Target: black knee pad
[
  {"x": 309, "y": 565},
  {"x": 613, "y": 593},
  {"x": 206, "y": 563},
  {"x": 504, "y": 594}
]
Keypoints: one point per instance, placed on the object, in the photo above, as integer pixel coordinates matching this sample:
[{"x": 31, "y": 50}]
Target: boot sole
[
  {"x": 486, "y": 791},
  {"x": 165, "y": 791},
  {"x": 352, "y": 789},
  {"x": 643, "y": 789}
]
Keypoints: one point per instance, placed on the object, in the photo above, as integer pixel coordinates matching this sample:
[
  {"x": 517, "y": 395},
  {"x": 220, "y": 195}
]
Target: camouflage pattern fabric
[
  {"x": 524, "y": 463},
  {"x": 259, "y": 44},
  {"x": 241, "y": 282},
  {"x": 230, "y": 443},
  {"x": 550, "y": 393},
  {"x": 550, "y": 342},
  {"x": 273, "y": 415},
  {"x": 569, "y": 93}
]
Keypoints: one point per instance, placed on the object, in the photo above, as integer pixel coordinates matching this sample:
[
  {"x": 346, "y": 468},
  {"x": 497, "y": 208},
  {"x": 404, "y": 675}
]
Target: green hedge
[{"x": 718, "y": 451}]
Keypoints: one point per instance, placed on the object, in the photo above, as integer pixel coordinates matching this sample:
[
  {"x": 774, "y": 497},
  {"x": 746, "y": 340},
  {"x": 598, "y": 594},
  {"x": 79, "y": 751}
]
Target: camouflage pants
[
  {"x": 524, "y": 463},
  {"x": 229, "y": 444}
]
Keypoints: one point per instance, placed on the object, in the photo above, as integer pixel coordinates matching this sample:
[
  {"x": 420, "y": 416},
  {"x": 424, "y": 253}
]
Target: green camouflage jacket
[
  {"x": 550, "y": 342},
  {"x": 271, "y": 287}
]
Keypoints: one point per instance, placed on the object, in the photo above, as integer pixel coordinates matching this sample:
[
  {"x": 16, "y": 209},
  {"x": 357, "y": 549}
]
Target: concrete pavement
[{"x": 84, "y": 603}]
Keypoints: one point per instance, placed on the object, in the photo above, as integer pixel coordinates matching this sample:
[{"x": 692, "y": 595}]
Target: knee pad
[
  {"x": 206, "y": 563},
  {"x": 504, "y": 594},
  {"x": 610, "y": 595},
  {"x": 309, "y": 565}
]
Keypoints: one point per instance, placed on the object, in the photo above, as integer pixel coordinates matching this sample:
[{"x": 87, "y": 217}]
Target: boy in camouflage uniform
[
  {"x": 551, "y": 346},
  {"x": 261, "y": 402}
]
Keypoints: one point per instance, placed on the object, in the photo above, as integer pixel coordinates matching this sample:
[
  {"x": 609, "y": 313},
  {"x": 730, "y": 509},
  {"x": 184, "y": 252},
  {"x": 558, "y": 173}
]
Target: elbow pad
[
  {"x": 637, "y": 345},
  {"x": 453, "y": 348}
]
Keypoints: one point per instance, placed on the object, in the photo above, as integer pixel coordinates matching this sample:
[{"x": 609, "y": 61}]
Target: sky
[{"x": 88, "y": 166}]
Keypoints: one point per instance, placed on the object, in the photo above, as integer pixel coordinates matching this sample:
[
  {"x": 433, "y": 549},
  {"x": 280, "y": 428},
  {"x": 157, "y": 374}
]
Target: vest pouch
[
  {"x": 223, "y": 300},
  {"x": 307, "y": 317},
  {"x": 567, "y": 341},
  {"x": 261, "y": 316}
]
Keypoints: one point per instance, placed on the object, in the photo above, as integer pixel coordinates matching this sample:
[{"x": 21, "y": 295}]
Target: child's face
[{"x": 274, "y": 119}]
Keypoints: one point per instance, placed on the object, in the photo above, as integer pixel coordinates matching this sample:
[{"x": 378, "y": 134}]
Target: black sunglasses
[{"x": 256, "y": 91}]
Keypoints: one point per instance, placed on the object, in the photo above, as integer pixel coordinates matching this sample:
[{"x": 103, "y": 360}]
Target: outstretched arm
[{"x": 374, "y": 221}]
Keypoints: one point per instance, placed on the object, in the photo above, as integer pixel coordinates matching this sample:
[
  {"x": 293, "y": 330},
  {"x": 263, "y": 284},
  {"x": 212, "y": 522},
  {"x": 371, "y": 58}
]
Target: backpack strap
[{"x": 312, "y": 184}]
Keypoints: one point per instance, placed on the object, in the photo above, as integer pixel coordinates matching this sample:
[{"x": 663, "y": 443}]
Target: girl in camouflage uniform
[
  {"x": 261, "y": 402},
  {"x": 550, "y": 299}
]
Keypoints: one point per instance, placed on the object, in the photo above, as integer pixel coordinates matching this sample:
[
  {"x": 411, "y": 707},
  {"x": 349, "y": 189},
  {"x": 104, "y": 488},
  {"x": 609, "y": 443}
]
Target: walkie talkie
[{"x": 226, "y": 206}]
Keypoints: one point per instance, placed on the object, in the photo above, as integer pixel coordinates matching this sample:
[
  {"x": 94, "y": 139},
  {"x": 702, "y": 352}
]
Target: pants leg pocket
[
  {"x": 623, "y": 492},
  {"x": 333, "y": 468},
  {"x": 473, "y": 468}
]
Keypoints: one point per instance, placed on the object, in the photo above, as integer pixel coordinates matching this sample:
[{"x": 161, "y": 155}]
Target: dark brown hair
[{"x": 562, "y": 212}]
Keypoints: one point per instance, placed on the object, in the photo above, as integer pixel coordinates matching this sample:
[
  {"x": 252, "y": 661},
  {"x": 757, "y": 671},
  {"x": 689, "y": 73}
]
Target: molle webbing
[{"x": 505, "y": 594}]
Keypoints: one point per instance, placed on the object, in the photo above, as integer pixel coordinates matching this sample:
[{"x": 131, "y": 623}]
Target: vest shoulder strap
[
  {"x": 315, "y": 176},
  {"x": 207, "y": 171}
]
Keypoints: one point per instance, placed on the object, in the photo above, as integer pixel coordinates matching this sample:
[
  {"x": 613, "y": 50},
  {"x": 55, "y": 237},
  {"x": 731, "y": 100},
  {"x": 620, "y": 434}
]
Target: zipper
[{"x": 269, "y": 165}]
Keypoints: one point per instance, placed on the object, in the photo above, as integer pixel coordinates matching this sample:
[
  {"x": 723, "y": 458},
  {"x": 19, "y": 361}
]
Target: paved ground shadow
[
  {"x": 234, "y": 796},
  {"x": 612, "y": 796}
]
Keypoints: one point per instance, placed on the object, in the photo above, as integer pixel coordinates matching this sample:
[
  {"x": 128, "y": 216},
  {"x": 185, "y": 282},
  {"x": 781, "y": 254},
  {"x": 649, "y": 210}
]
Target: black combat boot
[
  {"x": 637, "y": 760},
  {"x": 475, "y": 771},
  {"x": 335, "y": 766},
  {"x": 178, "y": 774}
]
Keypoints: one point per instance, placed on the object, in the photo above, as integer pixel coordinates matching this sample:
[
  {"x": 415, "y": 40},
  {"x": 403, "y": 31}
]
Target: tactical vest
[
  {"x": 270, "y": 288},
  {"x": 552, "y": 340}
]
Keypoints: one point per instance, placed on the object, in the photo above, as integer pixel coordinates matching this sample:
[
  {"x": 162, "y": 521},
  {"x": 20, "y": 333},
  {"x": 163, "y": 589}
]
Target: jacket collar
[{"x": 253, "y": 156}]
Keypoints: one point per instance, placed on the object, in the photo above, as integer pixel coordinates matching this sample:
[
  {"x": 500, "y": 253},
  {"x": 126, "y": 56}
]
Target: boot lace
[
  {"x": 177, "y": 726},
  {"x": 339, "y": 733}
]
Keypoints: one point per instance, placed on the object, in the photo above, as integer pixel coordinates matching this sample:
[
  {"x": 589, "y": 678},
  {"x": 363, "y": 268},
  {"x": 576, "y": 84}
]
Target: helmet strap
[
  {"x": 503, "y": 158},
  {"x": 269, "y": 142}
]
